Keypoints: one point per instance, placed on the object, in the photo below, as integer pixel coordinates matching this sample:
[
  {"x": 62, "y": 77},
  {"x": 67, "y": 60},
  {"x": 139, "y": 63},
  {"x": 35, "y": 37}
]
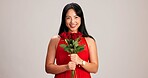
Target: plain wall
[{"x": 120, "y": 28}]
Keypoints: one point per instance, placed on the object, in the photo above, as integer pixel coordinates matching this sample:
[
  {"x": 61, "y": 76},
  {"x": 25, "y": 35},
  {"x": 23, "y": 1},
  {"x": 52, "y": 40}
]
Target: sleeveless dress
[{"x": 63, "y": 58}]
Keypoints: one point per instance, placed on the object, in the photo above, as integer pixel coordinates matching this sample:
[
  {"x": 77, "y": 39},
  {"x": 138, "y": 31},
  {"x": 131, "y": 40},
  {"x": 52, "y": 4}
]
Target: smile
[{"x": 73, "y": 25}]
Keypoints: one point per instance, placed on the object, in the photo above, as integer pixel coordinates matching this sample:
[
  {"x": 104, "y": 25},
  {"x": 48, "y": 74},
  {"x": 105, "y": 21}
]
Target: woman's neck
[{"x": 73, "y": 31}]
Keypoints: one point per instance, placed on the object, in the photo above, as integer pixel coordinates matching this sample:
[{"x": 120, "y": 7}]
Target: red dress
[{"x": 63, "y": 58}]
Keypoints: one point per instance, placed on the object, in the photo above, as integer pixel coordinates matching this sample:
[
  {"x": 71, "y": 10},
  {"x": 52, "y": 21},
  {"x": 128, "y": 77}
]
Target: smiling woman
[
  {"x": 72, "y": 21},
  {"x": 83, "y": 62}
]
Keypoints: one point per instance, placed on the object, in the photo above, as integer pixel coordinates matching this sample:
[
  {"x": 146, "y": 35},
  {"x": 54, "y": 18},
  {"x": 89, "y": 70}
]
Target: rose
[
  {"x": 64, "y": 35},
  {"x": 68, "y": 35},
  {"x": 74, "y": 36},
  {"x": 72, "y": 44},
  {"x": 79, "y": 34}
]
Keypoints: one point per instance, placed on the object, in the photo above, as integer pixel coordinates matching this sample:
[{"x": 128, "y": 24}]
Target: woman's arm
[
  {"x": 92, "y": 65},
  {"x": 52, "y": 68}
]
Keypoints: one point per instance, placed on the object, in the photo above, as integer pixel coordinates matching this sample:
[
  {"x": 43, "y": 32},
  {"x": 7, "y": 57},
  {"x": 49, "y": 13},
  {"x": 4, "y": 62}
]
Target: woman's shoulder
[
  {"x": 55, "y": 38},
  {"x": 90, "y": 40}
]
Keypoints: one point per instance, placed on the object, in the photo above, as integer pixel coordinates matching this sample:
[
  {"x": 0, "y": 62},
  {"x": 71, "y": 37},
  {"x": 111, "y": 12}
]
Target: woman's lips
[{"x": 72, "y": 26}]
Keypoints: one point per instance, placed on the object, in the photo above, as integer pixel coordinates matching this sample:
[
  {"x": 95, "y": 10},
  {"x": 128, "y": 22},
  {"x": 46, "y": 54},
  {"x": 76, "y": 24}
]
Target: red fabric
[{"x": 63, "y": 58}]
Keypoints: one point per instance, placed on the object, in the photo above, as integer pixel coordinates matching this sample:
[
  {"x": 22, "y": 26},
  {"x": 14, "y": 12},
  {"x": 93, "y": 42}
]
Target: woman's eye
[
  {"x": 67, "y": 17},
  {"x": 76, "y": 17}
]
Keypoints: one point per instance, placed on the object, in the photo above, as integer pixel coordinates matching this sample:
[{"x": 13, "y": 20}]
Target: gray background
[{"x": 120, "y": 28}]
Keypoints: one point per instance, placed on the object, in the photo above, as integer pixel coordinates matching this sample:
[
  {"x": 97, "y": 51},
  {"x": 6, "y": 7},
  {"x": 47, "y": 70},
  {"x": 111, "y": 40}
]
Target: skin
[{"x": 72, "y": 22}]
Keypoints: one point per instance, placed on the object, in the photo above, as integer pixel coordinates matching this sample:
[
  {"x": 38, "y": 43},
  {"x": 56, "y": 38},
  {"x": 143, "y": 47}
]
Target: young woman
[{"x": 84, "y": 62}]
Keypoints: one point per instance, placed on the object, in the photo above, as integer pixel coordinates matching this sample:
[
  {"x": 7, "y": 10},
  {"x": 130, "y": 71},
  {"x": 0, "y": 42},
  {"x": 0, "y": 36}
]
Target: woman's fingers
[
  {"x": 75, "y": 58},
  {"x": 71, "y": 65}
]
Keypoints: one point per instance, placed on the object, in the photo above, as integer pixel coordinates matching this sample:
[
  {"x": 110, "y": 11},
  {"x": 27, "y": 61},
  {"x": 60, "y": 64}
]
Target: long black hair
[{"x": 79, "y": 12}]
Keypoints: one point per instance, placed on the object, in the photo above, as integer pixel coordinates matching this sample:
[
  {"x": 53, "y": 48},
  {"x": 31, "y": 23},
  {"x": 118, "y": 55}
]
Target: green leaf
[
  {"x": 67, "y": 49},
  {"x": 75, "y": 43},
  {"x": 72, "y": 41},
  {"x": 67, "y": 41},
  {"x": 71, "y": 50},
  {"x": 71, "y": 45},
  {"x": 79, "y": 48},
  {"x": 63, "y": 45},
  {"x": 78, "y": 39}
]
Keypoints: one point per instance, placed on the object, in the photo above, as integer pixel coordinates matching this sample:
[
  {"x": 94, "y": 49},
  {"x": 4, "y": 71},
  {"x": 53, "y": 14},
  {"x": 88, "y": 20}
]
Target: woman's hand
[
  {"x": 71, "y": 65},
  {"x": 75, "y": 58}
]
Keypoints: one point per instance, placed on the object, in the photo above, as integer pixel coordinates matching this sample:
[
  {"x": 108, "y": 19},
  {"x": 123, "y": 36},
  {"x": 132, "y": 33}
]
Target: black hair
[{"x": 79, "y": 12}]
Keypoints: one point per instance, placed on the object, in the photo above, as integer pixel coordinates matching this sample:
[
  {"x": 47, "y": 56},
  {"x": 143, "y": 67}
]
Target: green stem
[{"x": 72, "y": 73}]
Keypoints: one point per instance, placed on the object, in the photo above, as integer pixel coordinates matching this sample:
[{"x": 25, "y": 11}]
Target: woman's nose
[{"x": 72, "y": 20}]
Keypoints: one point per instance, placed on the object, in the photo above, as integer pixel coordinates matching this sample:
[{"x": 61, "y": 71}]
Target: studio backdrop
[{"x": 120, "y": 28}]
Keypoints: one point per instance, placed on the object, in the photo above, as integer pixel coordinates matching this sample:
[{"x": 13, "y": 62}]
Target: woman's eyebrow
[
  {"x": 70, "y": 16},
  {"x": 67, "y": 16}
]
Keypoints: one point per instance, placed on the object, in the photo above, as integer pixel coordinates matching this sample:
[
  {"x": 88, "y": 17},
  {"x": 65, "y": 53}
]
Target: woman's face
[{"x": 72, "y": 21}]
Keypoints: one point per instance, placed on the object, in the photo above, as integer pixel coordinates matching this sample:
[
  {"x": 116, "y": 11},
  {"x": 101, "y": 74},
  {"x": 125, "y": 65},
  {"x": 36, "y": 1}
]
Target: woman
[{"x": 84, "y": 62}]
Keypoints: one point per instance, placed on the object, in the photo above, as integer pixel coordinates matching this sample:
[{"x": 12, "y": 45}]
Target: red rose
[
  {"x": 79, "y": 34},
  {"x": 74, "y": 36},
  {"x": 68, "y": 35},
  {"x": 63, "y": 35}
]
